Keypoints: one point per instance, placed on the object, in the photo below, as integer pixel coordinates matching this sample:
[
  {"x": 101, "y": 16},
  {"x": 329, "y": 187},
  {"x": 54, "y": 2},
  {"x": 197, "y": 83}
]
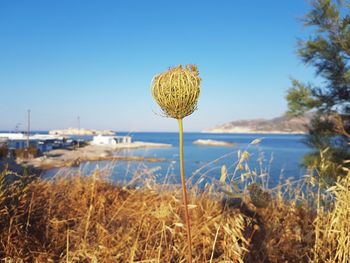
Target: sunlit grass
[{"x": 75, "y": 218}]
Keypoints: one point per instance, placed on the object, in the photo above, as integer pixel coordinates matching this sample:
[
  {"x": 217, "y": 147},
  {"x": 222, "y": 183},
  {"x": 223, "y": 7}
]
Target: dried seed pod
[
  {"x": 259, "y": 197},
  {"x": 177, "y": 90}
]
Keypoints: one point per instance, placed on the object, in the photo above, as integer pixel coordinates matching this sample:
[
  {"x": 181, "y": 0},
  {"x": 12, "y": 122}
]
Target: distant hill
[
  {"x": 75, "y": 131},
  {"x": 284, "y": 124}
]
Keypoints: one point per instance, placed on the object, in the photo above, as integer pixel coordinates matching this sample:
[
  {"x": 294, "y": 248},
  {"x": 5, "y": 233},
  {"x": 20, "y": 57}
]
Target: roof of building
[{"x": 35, "y": 137}]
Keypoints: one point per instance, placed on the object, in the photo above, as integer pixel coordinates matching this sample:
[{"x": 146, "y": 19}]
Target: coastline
[
  {"x": 213, "y": 143},
  {"x": 219, "y": 131},
  {"x": 138, "y": 144},
  {"x": 60, "y": 158}
]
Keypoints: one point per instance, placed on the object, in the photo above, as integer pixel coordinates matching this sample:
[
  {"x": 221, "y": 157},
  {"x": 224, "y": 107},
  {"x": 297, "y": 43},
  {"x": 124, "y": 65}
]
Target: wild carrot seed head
[{"x": 177, "y": 90}]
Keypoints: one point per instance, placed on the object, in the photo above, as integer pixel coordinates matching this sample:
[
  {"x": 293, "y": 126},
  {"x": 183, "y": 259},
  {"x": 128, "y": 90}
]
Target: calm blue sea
[{"x": 277, "y": 156}]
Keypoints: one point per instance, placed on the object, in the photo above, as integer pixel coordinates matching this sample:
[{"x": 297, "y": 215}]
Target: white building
[
  {"x": 110, "y": 140},
  {"x": 3, "y": 141},
  {"x": 13, "y": 136}
]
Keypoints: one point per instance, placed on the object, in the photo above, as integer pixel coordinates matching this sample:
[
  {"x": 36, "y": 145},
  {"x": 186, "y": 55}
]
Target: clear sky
[{"x": 96, "y": 59}]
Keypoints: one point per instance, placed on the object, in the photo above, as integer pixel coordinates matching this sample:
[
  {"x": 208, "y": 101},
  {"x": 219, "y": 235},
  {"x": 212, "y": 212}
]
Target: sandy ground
[{"x": 69, "y": 158}]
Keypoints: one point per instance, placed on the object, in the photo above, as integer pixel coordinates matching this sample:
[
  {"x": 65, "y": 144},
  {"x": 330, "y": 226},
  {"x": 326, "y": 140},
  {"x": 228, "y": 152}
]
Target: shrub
[
  {"x": 30, "y": 152},
  {"x": 3, "y": 151}
]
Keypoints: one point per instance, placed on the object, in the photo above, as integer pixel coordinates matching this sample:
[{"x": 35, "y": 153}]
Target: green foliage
[
  {"x": 321, "y": 131},
  {"x": 299, "y": 99},
  {"x": 327, "y": 50}
]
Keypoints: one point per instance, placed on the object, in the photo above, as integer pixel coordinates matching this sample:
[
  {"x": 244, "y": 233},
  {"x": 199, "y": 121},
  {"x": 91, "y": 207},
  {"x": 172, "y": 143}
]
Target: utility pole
[
  {"x": 28, "y": 131},
  {"x": 78, "y": 130},
  {"x": 17, "y": 127},
  {"x": 79, "y": 124}
]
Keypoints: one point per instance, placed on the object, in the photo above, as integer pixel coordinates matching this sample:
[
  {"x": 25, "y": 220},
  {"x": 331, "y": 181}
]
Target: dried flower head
[
  {"x": 259, "y": 197},
  {"x": 177, "y": 90}
]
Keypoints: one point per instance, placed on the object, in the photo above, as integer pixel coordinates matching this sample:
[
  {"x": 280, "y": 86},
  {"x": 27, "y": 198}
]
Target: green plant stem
[{"x": 184, "y": 192}]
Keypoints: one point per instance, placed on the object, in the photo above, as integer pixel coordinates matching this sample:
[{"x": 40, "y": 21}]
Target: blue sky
[{"x": 96, "y": 59}]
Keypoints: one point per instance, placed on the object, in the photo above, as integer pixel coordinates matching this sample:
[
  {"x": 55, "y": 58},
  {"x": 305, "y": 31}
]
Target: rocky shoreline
[
  {"x": 213, "y": 143},
  {"x": 75, "y": 131},
  {"x": 69, "y": 158}
]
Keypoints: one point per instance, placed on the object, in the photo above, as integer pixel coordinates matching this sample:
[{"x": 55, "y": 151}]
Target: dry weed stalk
[
  {"x": 177, "y": 91},
  {"x": 333, "y": 239},
  {"x": 340, "y": 126}
]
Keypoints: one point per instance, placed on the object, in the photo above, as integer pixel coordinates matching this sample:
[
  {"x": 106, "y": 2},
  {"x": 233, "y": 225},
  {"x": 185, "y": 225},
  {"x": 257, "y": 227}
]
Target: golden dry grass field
[{"x": 91, "y": 219}]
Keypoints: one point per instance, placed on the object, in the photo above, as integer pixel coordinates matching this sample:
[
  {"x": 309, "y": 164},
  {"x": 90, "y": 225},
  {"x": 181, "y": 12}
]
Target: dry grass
[
  {"x": 49, "y": 164},
  {"x": 90, "y": 219},
  {"x": 333, "y": 228}
]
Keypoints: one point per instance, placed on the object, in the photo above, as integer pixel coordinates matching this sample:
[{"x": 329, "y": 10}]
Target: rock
[
  {"x": 213, "y": 143},
  {"x": 74, "y": 131}
]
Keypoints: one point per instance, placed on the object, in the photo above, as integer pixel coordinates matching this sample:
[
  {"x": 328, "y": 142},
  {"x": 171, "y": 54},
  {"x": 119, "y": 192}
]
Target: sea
[{"x": 275, "y": 159}]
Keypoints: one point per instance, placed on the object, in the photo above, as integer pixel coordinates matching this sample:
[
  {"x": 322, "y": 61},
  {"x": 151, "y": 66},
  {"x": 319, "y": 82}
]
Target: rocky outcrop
[
  {"x": 282, "y": 125},
  {"x": 213, "y": 143},
  {"x": 75, "y": 131}
]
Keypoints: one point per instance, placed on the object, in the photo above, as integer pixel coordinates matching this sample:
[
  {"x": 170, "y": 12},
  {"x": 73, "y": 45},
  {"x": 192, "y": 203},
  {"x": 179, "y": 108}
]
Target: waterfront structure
[
  {"x": 3, "y": 141},
  {"x": 43, "y": 142},
  {"x": 110, "y": 140}
]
